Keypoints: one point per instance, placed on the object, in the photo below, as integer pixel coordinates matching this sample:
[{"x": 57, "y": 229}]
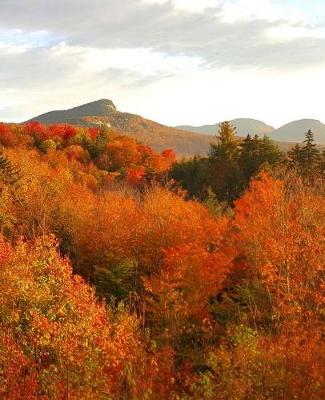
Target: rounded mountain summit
[{"x": 98, "y": 108}]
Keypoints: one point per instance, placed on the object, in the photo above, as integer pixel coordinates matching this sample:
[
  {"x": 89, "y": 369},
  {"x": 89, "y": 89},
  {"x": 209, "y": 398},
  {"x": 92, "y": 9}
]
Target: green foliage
[
  {"x": 306, "y": 159},
  {"x": 310, "y": 153},
  {"x": 256, "y": 153},
  {"x": 216, "y": 207},
  {"x": 9, "y": 174},
  {"x": 47, "y": 145},
  {"x": 225, "y": 176},
  {"x": 117, "y": 280},
  {"x": 97, "y": 146},
  {"x": 192, "y": 175},
  {"x": 227, "y": 147}
]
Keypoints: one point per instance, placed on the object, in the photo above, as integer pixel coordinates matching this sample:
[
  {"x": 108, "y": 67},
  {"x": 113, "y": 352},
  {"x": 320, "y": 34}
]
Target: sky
[{"x": 173, "y": 61}]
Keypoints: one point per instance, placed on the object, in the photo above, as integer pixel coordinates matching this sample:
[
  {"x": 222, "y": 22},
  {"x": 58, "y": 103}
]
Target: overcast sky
[{"x": 174, "y": 61}]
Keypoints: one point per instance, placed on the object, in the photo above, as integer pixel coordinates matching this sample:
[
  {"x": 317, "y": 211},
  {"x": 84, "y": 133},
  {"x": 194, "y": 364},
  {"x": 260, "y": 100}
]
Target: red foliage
[
  {"x": 7, "y": 137},
  {"x": 36, "y": 130},
  {"x": 169, "y": 153},
  {"x": 93, "y": 132},
  {"x": 134, "y": 176},
  {"x": 62, "y": 131}
]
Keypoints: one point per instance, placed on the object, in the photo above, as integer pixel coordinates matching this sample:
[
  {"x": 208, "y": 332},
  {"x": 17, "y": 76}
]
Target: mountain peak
[
  {"x": 295, "y": 131},
  {"x": 305, "y": 121},
  {"x": 98, "y": 108},
  {"x": 103, "y": 102}
]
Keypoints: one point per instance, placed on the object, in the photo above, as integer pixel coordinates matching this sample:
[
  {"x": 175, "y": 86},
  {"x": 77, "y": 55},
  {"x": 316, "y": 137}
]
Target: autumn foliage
[{"x": 114, "y": 286}]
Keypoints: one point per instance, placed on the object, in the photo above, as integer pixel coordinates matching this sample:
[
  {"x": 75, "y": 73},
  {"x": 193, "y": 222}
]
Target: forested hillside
[
  {"x": 125, "y": 275},
  {"x": 103, "y": 113}
]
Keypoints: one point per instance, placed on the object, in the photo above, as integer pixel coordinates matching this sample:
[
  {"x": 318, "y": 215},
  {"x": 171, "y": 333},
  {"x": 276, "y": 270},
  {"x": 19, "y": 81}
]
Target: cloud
[
  {"x": 58, "y": 54},
  {"x": 231, "y": 33}
]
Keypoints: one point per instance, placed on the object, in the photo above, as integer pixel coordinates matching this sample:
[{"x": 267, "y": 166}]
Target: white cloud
[
  {"x": 142, "y": 61},
  {"x": 287, "y": 33},
  {"x": 175, "y": 61},
  {"x": 192, "y": 6}
]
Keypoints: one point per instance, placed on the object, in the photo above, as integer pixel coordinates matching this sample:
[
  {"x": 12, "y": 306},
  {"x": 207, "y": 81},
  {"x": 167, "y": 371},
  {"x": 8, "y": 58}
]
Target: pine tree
[
  {"x": 8, "y": 173},
  {"x": 193, "y": 175},
  {"x": 310, "y": 155},
  {"x": 227, "y": 147},
  {"x": 225, "y": 177},
  {"x": 295, "y": 156},
  {"x": 255, "y": 153}
]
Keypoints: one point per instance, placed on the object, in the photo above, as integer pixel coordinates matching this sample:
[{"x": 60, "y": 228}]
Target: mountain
[
  {"x": 285, "y": 135},
  {"x": 295, "y": 131},
  {"x": 99, "y": 108},
  {"x": 104, "y": 113},
  {"x": 243, "y": 125},
  {"x": 185, "y": 140}
]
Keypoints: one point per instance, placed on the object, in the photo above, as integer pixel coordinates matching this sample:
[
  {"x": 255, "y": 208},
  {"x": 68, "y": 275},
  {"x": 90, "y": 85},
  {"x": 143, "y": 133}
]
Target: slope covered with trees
[
  {"x": 103, "y": 113},
  {"x": 114, "y": 285}
]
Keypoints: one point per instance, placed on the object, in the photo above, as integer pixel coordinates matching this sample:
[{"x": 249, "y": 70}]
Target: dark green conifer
[
  {"x": 8, "y": 173},
  {"x": 310, "y": 154}
]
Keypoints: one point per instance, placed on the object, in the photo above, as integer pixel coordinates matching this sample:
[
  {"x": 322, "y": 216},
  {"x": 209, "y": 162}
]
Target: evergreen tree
[
  {"x": 295, "y": 156},
  {"x": 255, "y": 153},
  {"x": 228, "y": 144},
  {"x": 192, "y": 175},
  {"x": 225, "y": 177},
  {"x": 8, "y": 173},
  {"x": 310, "y": 155}
]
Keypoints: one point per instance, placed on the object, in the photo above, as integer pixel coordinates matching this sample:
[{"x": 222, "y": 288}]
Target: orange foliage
[
  {"x": 56, "y": 341},
  {"x": 279, "y": 233},
  {"x": 170, "y": 265},
  {"x": 123, "y": 153}
]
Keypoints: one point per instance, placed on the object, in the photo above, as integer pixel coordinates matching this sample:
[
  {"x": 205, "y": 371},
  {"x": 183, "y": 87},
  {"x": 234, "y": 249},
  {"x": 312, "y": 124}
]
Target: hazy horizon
[
  {"x": 185, "y": 124},
  {"x": 176, "y": 62}
]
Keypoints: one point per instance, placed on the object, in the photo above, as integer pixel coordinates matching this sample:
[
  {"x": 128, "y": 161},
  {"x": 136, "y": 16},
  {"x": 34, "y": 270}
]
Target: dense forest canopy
[{"x": 125, "y": 274}]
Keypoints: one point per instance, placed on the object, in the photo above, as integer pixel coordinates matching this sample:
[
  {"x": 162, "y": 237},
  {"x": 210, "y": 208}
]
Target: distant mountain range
[
  {"x": 295, "y": 131},
  {"x": 292, "y": 132},
  {"x": 243, "y": 126},
  {"x": 185, "y": 140}
]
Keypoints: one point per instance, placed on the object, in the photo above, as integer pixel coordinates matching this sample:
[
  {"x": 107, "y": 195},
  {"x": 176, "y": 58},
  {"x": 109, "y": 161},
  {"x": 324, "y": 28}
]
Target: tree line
[{"x": 233, "y": 162}]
